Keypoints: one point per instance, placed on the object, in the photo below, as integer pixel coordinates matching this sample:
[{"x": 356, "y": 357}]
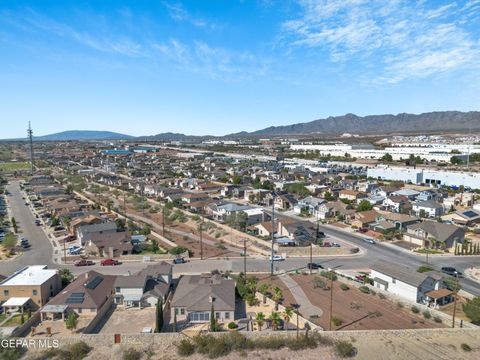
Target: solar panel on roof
[
  {"x": 470, "y": 214},
  {"x": 75, "y": 298},
  {"x": 94, "y": 283}
]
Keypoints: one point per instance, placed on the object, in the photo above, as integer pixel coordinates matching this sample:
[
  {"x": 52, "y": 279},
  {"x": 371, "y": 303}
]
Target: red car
[
  {"x": 109, "y": 262},
  {"x": 83, "y": 262}
]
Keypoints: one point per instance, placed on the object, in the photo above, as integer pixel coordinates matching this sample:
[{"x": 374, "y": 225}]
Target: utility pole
[
  {"x": 64, "y": 252},
  {"x": 273, "y": 233},
  {"x": 311, "y": 255},
  {"x": 163, "y": 220},
  {"x": 201, "y": 237},
  {"x": 245, "y": 259},
  {"x": 30, "y": 138},
  {"x": 331, "y": 300},
  {"x": 455, "y": 300}
]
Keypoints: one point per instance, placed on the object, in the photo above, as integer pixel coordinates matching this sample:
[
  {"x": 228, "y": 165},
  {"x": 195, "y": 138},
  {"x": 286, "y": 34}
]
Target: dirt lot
[
  {"x": 353, "y": 308},
  {"x": 358, "y": 311},
  {"x": 130, "y": 321}
]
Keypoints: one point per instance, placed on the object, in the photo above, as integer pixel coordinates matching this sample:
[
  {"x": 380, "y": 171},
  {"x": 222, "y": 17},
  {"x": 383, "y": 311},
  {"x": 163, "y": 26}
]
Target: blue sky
[{"x": 221, "y": 66}]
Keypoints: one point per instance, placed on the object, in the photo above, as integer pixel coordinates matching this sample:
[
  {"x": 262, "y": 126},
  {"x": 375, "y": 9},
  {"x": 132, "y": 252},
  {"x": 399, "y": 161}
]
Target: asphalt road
[{"x": 40, "y": 253}]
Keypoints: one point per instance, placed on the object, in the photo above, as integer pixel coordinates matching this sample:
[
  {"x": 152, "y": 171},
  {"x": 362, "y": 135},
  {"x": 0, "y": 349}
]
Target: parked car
[
  {"x": 451, "y": 271},
  {"x": 25, "y": 245},
  {"x": 326, "y": 244},
  {"x": 370, "y": 241},
  {"x": 179, "y": 261},
  {"x": 362, "y": 230},
  {"x": 83, "y": 262},
  {"x": 314, "y": 266},
  {"x": 276, "y": 258},
  {"x": 334, "y": 244},
  {"x": 74, "y": 250},
  {"x": 107, "y": 262}
]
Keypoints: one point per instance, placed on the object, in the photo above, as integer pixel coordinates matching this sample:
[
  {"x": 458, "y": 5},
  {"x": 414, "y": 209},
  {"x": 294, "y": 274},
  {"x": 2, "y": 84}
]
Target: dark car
[
  {"x": 451, "y": 271},
  {"x": 179, "y": 261},
  {"x": 84, "y": 262},
  {"x": 25, "y": 245},
  {"x": 314, "y": 266}
]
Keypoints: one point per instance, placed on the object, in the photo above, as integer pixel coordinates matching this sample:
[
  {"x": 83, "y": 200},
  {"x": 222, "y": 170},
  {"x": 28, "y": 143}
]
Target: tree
[
  {"x": 263, "y": 289},
  {"x": 213, "y": 323},
  {"x": 236, "y": 180},
  {"x": 120, "y": 224},
  {"x": 72, "y": 321},
  {"x": 456, "y": 160},
  {"x": 260, "y": 320},
  {"x": 145, "y": 230},
  {"x": 159, "y": 316},
  {"x": 9, "y": 243},
  {"x": 277, "y": 296},
  {"x": 472, "y": 310},
  {"x": 155, "y": 247},
  {"x": 328, "y": 196},
  {"x": 66, "y": 276},
  {"x": 364, "y": 205},
  {"x": 177, "y": 250},
  {"x": 287, "y": 315},
  {"x": 275, "y": 319},
  {"x": 174, "y": 328},
  {"x": 387, "y": 158}
]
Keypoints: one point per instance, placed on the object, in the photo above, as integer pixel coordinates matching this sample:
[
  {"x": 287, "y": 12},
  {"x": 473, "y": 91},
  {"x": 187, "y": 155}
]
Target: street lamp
[{"x": 273, "y": 232}]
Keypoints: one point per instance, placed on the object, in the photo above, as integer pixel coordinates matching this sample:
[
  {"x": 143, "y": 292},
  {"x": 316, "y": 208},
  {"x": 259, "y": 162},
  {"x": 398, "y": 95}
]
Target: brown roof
[
  {"x": 91, "y": 290},
  {"x": 116, "y": 240},
  {"x": 438, "y": 294}
]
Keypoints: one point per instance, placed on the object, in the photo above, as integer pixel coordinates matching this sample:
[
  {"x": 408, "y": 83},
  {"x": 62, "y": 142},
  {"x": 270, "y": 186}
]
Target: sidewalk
[{"x": 307, "y": 309}]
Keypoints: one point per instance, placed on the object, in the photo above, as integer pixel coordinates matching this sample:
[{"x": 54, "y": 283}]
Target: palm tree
[
  {"x": 287, "y": 315},
  {"x": 260, "y": 320},
  {"x": 275, "y": 319},
  {"x": 277, "y": 296},
  {"x": 263, "y": 289},
  {"x": 252, "y": 283}
]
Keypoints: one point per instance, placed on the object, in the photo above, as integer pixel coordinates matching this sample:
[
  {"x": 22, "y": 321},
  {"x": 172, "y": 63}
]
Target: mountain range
[
  {"x": 430, "y": 122},
  {"x": 377, "y": 124}
]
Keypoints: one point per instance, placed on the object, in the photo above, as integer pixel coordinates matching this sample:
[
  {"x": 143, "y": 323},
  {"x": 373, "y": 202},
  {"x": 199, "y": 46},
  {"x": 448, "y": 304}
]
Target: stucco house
[
  {"x": 196, "y": 295},
  {"x": 407, "y": 283},
  {"x": 432, "y": 234}
]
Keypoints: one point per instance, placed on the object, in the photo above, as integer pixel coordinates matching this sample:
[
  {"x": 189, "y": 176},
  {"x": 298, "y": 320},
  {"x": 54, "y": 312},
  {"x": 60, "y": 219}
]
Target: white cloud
[
  {"x": 178, "y": 13},
  {"x": 403, "y": 39}
]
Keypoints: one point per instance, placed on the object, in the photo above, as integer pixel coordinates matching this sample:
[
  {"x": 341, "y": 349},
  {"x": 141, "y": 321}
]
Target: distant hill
[
  {"x": 169, "y": 136},
  {"x": 377, "y": 124},
  {"x": 82, "y": 135}
]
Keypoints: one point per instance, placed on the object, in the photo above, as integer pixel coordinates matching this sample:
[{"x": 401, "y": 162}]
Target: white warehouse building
[{"x": 428, "y": 177}]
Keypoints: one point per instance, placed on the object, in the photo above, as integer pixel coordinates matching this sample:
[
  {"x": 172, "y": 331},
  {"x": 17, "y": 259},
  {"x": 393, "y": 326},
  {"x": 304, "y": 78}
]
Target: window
[
  {"x": 176, "y": 311},
  {"x": 117, "y": 289},
  {"x": 182, "y": 311},
  {"x": 5, "y": 292},
  {"x": 34, "y": 292},
  {"x": 227, "y": 315},
  {"x": 217, "y": 315}
]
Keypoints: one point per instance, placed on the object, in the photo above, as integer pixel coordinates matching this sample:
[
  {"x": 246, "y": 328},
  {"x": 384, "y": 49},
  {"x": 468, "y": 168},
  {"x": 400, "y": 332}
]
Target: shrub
[
  {"x": 132, "y": 354},
  {"x": 437, "y": 319},
  {"x": 373, "y": 292},
  {"x": 399, "y": 305},
  {"x": 303, "y": 342},
  {"x": 337, "y": 321},
  {"x": 364, "y": 289},
  {"x": 344, "y": 349},
  {"x": 344, "y": 287},
  {"x": 466, "y": 347},
  {"x": 415, "y": 309},
  {"x": 329, "y": 275},
  {"x": 426, "y": 314},
  {"x": 185, "y": 348},
  {"x": 424, "y": 268},
  {"x": 382, "y": 296},
  {"x": 231, "y": 325},
  {"x": 75, "y": 351}
]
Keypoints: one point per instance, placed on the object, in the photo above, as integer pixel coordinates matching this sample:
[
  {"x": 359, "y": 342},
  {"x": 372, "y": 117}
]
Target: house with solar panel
[
  {"x": 89, "y": 294},
  {"x": 469, "y": 217}
]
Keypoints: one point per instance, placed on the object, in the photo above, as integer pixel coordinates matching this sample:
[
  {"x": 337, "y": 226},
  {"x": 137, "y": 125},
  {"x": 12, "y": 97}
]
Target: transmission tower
[{"x": 30, "y": 138}]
